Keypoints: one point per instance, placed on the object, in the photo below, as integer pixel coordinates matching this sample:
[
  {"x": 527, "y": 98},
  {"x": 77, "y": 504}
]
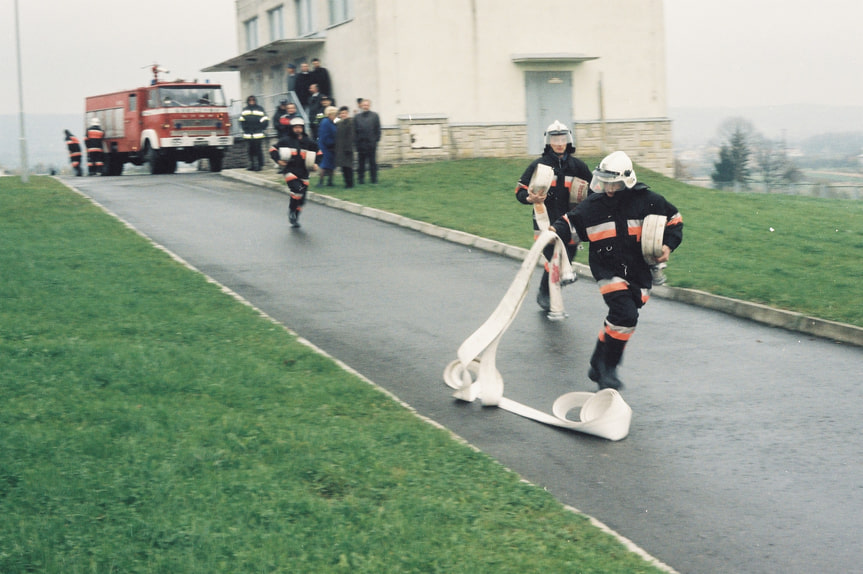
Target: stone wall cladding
[{"x": 648, "y": 142}]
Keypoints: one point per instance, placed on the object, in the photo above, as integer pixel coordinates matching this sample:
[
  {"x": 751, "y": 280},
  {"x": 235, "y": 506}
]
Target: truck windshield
[{"x": 191, "y": 96}]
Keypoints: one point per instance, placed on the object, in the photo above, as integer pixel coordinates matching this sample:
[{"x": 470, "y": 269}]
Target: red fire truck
[{"x": 162, "y": 124}]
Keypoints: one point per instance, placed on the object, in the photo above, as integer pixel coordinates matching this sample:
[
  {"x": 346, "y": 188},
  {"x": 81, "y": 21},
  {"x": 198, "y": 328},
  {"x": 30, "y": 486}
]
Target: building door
[{"x": 549, "y": 98}]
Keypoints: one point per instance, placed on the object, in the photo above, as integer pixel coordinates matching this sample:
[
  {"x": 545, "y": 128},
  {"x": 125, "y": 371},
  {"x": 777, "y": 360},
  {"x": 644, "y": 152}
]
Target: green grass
[
  {"x": 151, "y": 423},
  {"x": 810, "y": 262}
]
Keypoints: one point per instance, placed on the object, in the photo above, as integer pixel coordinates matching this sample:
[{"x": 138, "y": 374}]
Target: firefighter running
[
  {"x": 296, "y": 154},
  {"x": 611, "y": 219},
  {"x": 571, "y": 176},
  {"x": 93, "y": 141},
  {"x": 74, "y": 146}
]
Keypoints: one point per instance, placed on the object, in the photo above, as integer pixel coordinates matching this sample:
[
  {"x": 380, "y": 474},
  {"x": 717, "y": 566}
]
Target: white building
[{"x": 474, "y": 78}]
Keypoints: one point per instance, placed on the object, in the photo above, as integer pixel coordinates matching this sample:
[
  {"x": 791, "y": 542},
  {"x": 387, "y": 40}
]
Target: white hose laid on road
[{"x": 474, "y": 374}]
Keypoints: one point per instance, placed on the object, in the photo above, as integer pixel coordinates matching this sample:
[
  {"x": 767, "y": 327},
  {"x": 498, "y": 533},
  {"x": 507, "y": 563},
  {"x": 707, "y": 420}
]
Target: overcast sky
[{"x": 719, "y": 52}]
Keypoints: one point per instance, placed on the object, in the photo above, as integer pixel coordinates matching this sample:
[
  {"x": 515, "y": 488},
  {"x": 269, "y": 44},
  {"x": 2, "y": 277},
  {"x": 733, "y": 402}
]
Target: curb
[{"x": 788, "y": 320}]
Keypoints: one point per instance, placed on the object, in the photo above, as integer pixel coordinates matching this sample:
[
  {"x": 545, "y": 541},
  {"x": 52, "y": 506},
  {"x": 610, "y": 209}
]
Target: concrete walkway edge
[{"x": 788, "y": 320}]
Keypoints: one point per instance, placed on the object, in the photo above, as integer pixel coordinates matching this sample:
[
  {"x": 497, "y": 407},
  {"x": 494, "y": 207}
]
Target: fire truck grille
[{"x": 197, "y": 124}]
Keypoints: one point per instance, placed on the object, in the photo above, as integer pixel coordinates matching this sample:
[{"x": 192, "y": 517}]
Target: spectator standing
[
  {"x": 327, "y": 144},
  {"x": 93, "y": 141},
  {"x": 314, "y": 107},
  {"x": 292, "y": 78},
  {"x": 321, "y": 77},
  {"x": 254, "y": 121},
  {"x": 367, "y": 131},
  {"x": 74, "y": 146},
  {"x": 301, "y": 86},
  {"x": 345, "y": 146},
  {"x": 321, "y": 113},
  {"x": 281, "y": 121},
  {"x": 570, "y": 186}
]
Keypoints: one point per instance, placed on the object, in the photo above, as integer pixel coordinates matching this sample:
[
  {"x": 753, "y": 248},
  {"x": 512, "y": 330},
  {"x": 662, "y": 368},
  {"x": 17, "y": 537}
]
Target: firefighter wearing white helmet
[
  {"x": 296, "y": 154},
  {"x": 93, "y": 141},
  {"x": 568, "y": 185},
  {"x": 611, "y": 219}
]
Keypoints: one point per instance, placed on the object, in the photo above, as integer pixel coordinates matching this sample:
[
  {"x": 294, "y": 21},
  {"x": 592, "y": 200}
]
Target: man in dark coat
[
  {"x": 345, "y": 145},
  {"x": 321, "y": 77},
  {"x": 301, "y": 86},
  {"x": 367, "y": 133}
]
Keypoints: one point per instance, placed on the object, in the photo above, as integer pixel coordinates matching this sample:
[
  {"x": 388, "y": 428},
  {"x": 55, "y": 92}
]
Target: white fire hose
[{"x": 474, "y": 374}]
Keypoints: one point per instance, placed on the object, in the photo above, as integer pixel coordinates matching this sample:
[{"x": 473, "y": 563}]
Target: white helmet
[
  {"x": 298, "y": 121},
  {"x": 613, "y": 173},
  {"x": 94, "y": 121},
  {"x": 558, "y": 129}
]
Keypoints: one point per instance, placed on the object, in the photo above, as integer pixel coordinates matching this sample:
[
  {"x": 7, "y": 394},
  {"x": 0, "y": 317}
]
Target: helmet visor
[{"x": 607, "y": 181}]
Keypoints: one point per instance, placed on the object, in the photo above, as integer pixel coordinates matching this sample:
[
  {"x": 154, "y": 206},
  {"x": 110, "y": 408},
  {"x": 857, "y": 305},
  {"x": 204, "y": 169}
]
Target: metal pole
[{"x": 25, "y": 170}]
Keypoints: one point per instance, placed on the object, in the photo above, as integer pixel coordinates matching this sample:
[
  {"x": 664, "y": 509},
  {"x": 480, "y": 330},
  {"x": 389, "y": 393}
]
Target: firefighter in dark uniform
[
  {"x": 93, "y": 141},
  {"x": 291, "y": 153},
  {"x": 611, "y": 220},
  {"x": 254, "y": 121},
  {"x": 569, "y": 171},
  {"x": 74, "y": 146}
]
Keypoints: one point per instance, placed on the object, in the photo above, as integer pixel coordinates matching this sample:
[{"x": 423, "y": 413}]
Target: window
[
  {"x": 251, "y": 27},
  {"x": 340, "y": 11},
  {"x": 305, "y": 17},
  {"x": 276, "y": 22},
  {"x": 133, "y": 102}
]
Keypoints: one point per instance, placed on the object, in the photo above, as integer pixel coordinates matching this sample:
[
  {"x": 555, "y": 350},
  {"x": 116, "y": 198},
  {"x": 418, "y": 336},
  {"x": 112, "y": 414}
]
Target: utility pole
[{"x": 25, "y": 170}]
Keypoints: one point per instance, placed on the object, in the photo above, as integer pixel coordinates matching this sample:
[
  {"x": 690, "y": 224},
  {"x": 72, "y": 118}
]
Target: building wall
[
  {"x": 451, "y": 63},
  {"x": 648, "y": 142}
]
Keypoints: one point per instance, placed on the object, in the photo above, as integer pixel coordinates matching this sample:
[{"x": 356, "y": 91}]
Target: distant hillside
[
  {"x": 45, "y": 139},
  {"x": 692, "y": 127}
]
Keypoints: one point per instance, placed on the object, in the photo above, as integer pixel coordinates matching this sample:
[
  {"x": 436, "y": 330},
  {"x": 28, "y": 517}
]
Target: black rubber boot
[
  {"x": 603, "y": 365},
  {"x": 542, "y": 297}
]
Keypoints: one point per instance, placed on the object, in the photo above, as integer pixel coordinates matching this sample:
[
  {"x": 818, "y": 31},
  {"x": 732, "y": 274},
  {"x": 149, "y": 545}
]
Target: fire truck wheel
[
  {"x": 154, "y": 160},
  {"x": 216, "y": 162}
]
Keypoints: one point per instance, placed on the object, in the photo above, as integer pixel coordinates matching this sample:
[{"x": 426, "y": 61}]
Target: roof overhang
[
  {"x": 278, "y": 51},
  {"x": 553, "y": 58}
]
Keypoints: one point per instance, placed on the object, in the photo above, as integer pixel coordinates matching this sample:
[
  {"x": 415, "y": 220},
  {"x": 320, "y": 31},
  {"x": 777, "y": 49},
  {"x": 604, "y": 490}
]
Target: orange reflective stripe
[
  {"x": 601, "y": 231},
  {"x": 675, "y": 219},
  {"x": 612, "y": 285},
  {"x": 619, "y": 333}
]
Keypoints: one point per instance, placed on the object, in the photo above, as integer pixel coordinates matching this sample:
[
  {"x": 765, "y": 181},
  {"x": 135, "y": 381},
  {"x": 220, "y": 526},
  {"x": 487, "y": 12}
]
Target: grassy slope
[
  {"x": 150, "y": 423},
  {"x": 794, "y": 253}
]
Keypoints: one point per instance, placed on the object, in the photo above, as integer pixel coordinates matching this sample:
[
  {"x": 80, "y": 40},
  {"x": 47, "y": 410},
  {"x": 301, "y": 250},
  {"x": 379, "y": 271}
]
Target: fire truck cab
[{"x": 161, "y": 124}]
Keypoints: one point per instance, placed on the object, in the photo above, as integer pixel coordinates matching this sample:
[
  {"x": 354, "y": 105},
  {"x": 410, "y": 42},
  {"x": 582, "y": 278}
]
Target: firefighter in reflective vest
[
  {"x": 74, "y": 152},
  {"x": 611, "y": 219},
  {"x": 296, "y": 154},
  {"x": 93, "y": 141},
  {"x": 254, "y": 121}
]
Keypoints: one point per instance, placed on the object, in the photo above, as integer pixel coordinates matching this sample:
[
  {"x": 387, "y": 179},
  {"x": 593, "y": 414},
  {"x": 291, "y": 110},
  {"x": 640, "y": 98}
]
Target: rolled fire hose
[
  {"x": 540, "y": 182},
  {"x": 474, "y": 374},
  {"x": 652, "y": 232},
  {"x": 286, "y": 153}
]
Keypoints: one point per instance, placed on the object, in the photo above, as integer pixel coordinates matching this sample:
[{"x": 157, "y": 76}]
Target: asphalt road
[{"x": 745, "y": 452}]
